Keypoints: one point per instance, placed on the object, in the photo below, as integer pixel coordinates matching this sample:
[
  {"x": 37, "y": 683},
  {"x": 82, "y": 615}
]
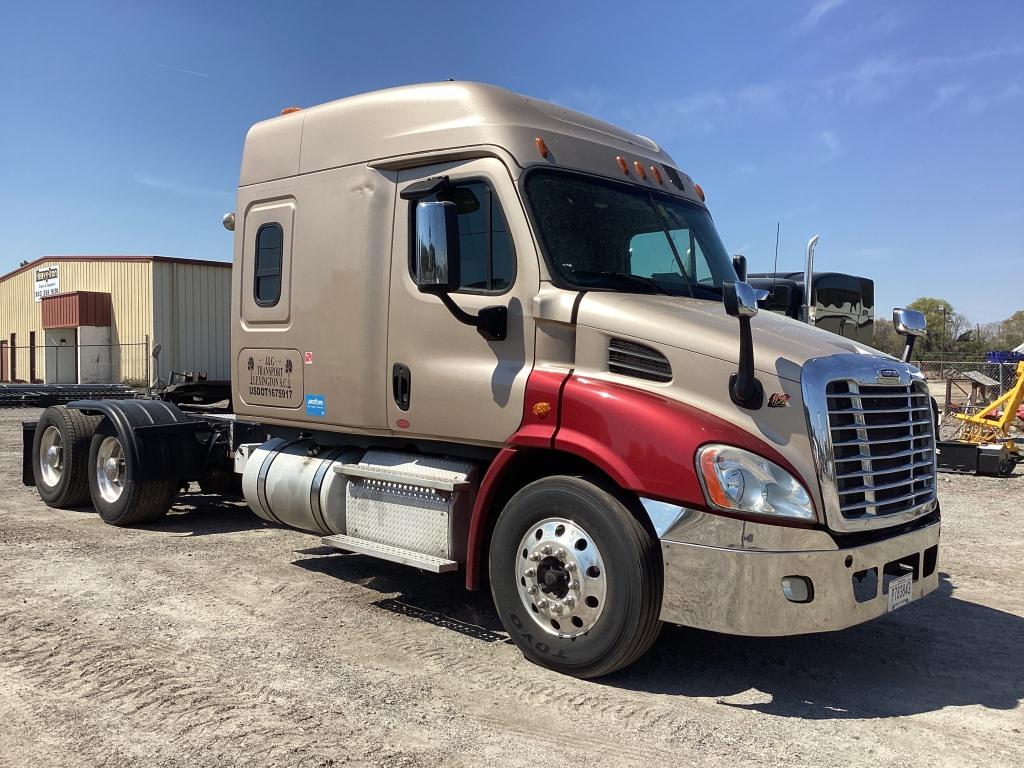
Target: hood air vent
[{"x": 629, "y": 359}]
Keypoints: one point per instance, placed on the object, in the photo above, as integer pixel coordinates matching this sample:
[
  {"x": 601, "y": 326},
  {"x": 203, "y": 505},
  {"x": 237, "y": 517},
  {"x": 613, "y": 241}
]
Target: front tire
[
  {"x": 117, "y": 495},
  {"x": 576, "y": 577},
  {"x": 60, "y": 452}
]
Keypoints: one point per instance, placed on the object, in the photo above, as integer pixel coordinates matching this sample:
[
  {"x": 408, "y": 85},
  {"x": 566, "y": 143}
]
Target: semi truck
[
  {"x": 474, "y": 331},
  {"x": 835, "y": 301}
]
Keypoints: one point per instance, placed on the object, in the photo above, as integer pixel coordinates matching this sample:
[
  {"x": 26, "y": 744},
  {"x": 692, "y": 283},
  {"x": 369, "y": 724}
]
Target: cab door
[{"x": 447, "y": 381}]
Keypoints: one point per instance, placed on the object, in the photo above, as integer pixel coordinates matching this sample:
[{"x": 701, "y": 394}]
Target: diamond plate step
[
  {"x": 393, "y": 554},
  {"x": 438, "y": 481}
]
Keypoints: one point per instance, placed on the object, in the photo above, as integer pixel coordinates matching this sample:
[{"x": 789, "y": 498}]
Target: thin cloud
[
  {"x": 873, "y": 81},
  {"x": 876, "y": 78},
  {"x": 830, "y": 142},
  {"x": 182, "y": 70},
  {"x": 816, "y": 14},
  {"x": 980, "y": 101},
  {"x": 946, "y": 94},
  {"x": 184, "y": 190}
]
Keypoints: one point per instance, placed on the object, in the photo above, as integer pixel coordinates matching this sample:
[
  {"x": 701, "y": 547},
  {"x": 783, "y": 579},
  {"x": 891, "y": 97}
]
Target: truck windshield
[{"x": 621, "y": 237}]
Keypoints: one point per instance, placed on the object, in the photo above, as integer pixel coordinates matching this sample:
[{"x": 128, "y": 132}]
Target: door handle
[{"x": 401, "y": 385}]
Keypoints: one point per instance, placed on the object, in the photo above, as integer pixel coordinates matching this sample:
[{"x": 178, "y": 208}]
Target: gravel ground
[{"x": 213, "y": 639}]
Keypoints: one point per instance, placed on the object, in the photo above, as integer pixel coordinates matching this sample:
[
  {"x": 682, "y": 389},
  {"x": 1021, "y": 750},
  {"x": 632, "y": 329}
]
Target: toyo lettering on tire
[
  {"x": 576, "y": 577},
  {"x": 60, "y": 455},
  {"x": 117, "y": 495}
]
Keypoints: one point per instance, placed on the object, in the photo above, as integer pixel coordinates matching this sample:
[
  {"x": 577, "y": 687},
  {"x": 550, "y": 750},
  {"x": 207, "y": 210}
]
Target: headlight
[{"x": 742, "y": 481}]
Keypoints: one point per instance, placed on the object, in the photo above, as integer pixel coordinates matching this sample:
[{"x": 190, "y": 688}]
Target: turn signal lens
[
  {"x": 541, "y": 409},
  {"x": 736, "y": 480}
]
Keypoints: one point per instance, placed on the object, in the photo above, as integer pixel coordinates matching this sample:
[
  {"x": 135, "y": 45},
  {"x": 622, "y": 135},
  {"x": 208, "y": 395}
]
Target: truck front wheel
[
  {"x": 576, "y": 577},
  {"x": 117, "y": 495}
]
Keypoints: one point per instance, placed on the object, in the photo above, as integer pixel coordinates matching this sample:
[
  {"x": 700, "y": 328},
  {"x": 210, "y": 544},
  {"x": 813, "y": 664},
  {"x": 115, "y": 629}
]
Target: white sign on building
[{"x": 47, "y": 281}]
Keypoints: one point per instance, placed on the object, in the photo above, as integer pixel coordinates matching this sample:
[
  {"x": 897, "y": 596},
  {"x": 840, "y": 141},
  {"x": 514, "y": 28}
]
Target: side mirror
[
  {"x": 437, "y": 247},
  {"x": 740, "y": 299},
  {"x": 739, "y": 263},
  {"x": 911, "y": 324},
  {"x": 908, "y": 322}
]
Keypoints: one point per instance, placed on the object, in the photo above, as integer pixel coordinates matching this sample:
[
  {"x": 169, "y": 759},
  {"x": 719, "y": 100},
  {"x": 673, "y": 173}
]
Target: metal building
[{"x": 97, "y": 319}]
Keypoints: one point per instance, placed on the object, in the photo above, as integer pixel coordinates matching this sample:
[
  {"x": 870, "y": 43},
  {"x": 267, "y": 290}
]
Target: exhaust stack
[{"x": 808, "y": 280}]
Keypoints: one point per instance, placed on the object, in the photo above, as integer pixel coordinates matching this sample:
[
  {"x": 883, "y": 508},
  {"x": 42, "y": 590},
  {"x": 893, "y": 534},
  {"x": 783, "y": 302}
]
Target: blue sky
[{"x": 896, "y": 130}]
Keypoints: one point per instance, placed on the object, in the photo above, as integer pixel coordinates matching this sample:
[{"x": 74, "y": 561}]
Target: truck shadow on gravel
[
  {"x": 936, "y": 653},
  {"x": 440, "y": 600},
  {"x": 205, "y": 514}
]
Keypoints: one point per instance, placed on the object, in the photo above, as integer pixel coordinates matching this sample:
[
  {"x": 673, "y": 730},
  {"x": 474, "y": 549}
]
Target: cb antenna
[{"x": 775, "y": 268}]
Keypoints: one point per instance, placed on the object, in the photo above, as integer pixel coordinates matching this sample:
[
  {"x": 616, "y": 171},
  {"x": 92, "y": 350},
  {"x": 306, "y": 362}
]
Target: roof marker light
[
  {"x": 640, "y": 169},
  {"x": 656, "y": 174},
  {"x": 541, "y": 147},
  {"x": 289, "y": 110},
  {"x": 700, "y": 191},
  {"x": 622, "y": 164}
]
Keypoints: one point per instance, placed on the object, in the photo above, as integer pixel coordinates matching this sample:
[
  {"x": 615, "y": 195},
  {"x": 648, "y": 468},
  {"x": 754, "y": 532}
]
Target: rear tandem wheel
[
  {"x": 117, "y": 495},
  {"x": 60, "y": 456}
]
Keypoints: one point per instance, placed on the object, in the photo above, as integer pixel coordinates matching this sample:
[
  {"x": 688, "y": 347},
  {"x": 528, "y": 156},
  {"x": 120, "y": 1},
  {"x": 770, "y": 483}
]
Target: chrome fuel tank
[{"x": 292, "y": 482}]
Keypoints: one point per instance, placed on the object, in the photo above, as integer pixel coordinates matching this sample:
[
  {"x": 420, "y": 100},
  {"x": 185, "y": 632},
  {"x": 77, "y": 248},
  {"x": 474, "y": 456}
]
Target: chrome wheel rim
[
  {"x": 561, "y": 577},
  {"x": 51, "y": 456},
  {"x": 110, "y": 469}
]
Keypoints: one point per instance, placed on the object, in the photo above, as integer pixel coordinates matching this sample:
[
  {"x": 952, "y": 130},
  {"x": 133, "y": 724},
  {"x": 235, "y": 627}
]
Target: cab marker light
[
  {"x": 623, "y": 164},
  {"x": 700, "y": 191},
  {"x": 542, "y": 148},
  {"x": 656, "y": 174},
  {"x": 640, "y": 169},
  {"x": 289, "y": 110}
]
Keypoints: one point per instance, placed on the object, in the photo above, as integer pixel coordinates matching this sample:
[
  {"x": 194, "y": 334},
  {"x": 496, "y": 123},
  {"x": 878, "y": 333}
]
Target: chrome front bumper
[{"x": 737, "y": 588}]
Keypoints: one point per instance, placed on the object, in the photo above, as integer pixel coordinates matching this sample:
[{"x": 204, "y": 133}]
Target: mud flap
[{"x": 28, "y": 435}]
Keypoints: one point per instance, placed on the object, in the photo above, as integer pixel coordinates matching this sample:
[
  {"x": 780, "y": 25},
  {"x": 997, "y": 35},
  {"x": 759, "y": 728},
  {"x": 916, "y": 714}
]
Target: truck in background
[
  {"x": 475, "y": 331},
  {"x": 841, "y": 303}
]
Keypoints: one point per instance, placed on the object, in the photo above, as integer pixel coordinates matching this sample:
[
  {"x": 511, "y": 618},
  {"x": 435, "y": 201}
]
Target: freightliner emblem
[{"x": 888, "y": 373}]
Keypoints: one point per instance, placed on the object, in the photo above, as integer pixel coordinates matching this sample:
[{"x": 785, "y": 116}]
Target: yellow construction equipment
[{"x": 992, "y": 423}]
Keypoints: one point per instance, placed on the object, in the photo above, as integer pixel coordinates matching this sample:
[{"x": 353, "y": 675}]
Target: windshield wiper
[
  {"x": 624, "y": 277},
  {"x": 671, "y": 243}
]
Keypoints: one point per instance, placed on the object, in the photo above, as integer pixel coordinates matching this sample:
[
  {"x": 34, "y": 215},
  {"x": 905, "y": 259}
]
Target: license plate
[{"x": 901, "y": 591}]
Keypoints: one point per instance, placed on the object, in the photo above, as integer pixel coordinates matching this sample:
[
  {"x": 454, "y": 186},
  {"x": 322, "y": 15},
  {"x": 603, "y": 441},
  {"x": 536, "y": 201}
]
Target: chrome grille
[
  {"x": 883, "y": 447},
  {"x": 630, "y": 359}
]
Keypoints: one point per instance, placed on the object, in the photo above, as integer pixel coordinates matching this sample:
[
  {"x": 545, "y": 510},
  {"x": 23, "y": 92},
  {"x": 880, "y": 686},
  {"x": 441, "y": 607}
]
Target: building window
[
  {"x": 487, "y": 257},
  {"x": 269, "y": 255}
]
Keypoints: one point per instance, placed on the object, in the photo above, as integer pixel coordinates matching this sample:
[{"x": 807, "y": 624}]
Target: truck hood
[{"x": 781, "y": 345}]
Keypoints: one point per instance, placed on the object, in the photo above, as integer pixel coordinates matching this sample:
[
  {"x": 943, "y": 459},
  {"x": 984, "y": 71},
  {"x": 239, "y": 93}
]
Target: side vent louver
[{"x": 629, "y": 359}]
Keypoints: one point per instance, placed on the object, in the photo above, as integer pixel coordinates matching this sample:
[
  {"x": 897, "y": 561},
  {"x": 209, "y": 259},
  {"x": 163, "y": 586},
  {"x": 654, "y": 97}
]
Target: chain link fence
[
  {"x": 124, "y": 363},
  {"x": 950, "y": 384}
]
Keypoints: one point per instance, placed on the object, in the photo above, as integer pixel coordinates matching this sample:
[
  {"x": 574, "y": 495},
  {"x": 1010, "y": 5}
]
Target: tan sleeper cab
[{"x": 476, "y": 331}]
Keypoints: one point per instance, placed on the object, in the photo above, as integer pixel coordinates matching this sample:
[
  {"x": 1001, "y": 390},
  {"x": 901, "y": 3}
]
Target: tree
[
  {"x": 885, "y": 339},
  {"x": 945, "y": 327},
  {"x": 1011, "y": 331}
]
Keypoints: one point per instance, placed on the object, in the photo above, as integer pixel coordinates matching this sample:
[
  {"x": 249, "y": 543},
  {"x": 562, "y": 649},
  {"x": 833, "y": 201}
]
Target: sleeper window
[
  {"x": 269, "y": 252},
  {"x": 487, "y": 257}
]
